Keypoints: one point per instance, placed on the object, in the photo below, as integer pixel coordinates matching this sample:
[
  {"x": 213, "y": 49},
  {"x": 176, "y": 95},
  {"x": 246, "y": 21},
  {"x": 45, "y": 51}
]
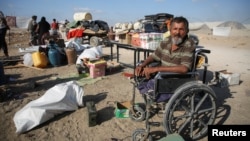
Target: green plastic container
[{"x": 122, "y": 109}]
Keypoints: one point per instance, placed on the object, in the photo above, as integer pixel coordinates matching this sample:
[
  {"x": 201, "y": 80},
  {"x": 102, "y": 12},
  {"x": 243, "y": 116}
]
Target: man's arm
[
  {"x": 177, "y": 69},
  {"x": 139, "y": 69}
]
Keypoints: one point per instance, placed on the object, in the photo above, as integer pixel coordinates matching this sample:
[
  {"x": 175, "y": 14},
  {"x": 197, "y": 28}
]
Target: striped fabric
[{"x": 182, "y": 56}]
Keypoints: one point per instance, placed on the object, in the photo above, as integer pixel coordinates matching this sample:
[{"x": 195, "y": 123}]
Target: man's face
[{"x": 178, "y": 32}]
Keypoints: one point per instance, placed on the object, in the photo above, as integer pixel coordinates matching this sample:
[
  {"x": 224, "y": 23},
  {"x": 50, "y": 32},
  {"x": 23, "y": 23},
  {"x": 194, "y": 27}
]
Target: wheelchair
[{"x": 189, "y": 105}]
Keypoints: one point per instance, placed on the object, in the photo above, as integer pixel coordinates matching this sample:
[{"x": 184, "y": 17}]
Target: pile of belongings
[{"x": 78, "y": 28}]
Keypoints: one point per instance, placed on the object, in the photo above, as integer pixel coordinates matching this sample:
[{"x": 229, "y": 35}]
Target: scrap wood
[
  {"x": 13, "y": 60},
  {"x": 32, "y": 67},
  {"x": 21, "y": 65},
  {"x": 15, "y": 66},
  {"x": 88, "y": 31}
]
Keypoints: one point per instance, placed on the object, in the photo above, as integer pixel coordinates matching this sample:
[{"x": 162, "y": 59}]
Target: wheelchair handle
[{"x": 202, "y": 50}]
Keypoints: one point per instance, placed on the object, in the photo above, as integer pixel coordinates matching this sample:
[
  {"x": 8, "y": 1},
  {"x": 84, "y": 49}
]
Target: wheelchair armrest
[
  {"x": 168, "y": 82},
  {"x": 152, "y": 64},
  {"x": 164, "y": 75},
  {"x": 202, "y": 50}
]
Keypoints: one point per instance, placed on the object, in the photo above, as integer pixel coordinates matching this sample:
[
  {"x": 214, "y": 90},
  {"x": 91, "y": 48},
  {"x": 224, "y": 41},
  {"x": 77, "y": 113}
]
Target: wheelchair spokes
[{"x": 190, "y": 111}]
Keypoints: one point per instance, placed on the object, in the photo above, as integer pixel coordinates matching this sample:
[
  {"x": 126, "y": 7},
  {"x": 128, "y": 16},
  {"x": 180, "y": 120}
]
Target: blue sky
[{"x": 113, "y": 11}]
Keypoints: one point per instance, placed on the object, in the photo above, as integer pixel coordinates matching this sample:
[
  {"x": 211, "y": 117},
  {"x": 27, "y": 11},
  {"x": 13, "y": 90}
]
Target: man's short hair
[
  {"x": 181, "y": 19},
  {"x": 34, "y": 17}
]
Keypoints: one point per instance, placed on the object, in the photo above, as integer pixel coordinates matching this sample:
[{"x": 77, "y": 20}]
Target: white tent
[{"x": 22, "y": 22}]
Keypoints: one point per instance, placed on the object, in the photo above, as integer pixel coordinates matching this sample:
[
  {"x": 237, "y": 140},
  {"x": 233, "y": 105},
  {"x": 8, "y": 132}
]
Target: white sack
[
  {"x": 91, "y": 53},
  {"x": 62, "y": 97},
  {"x": 76, "y": 43}
]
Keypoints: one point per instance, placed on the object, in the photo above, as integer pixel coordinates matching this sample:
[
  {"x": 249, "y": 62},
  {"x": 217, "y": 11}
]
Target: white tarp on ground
[
  {"x": 221, "y": 31},
  {"x": 62, "y": 97}
]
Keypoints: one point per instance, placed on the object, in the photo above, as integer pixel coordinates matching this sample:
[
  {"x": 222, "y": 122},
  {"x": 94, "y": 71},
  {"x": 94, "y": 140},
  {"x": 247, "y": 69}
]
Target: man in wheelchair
[
  {"x": 175, "y": 54},
  {"x": 189, "y": 106}
]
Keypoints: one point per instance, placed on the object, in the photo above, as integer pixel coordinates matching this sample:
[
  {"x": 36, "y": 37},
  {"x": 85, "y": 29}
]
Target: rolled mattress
[{"x": 82, "y": 16}]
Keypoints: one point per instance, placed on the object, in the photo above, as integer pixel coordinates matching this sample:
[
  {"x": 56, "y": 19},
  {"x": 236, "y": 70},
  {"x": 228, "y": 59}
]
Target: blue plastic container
[{"x": 54, "y": 55}]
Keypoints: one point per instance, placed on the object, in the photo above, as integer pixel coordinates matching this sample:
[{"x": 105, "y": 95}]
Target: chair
[{"x": 189, "y": 104}]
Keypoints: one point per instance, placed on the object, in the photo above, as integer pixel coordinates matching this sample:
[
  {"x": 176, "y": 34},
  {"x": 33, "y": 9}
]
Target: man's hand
[
  {"x": 148, "y": 71},
  {"x": 138, "y": 71}
]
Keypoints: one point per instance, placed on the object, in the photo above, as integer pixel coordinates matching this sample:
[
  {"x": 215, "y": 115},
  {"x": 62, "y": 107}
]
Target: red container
[{"x": 136, "y": 40}]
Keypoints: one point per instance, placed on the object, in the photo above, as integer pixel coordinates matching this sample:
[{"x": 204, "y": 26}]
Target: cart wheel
[
  {"x": 139, "y": 114},
  {"x": 139, "y": 134},
  {"x": 94, "y": 41}
]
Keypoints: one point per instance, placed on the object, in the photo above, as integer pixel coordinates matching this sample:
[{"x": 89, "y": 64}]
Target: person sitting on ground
[
  {"x": 174, "y": 54},
  {"x": 43, "y": 30}
]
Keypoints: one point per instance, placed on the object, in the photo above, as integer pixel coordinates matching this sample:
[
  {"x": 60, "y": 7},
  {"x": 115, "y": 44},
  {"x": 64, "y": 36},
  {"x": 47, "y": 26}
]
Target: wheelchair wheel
[
  {"x": 190, "y": 110},
  {"x": 139, "y": 114},
  {"x": 139, "y": 135}
]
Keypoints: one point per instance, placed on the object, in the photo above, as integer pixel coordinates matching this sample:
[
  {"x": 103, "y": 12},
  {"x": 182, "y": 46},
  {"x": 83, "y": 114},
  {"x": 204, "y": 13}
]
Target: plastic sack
[
  {"x": 62, "y": 97},
  {"x": 76, "y": 43},
  {"x": 91, "y": 53}
]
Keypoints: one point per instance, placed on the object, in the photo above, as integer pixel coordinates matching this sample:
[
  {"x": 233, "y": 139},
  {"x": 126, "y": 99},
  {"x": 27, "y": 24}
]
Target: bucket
[
  {"x": 71, "y": 55},
  {"x": 2, "y": 76},
  {"x": 40, "y": 60},
  {"x": 82, "y": 16}
]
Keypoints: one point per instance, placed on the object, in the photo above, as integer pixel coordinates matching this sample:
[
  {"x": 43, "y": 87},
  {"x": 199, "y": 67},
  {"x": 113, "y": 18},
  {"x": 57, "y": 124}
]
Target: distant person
[
  {"x": 32, "y": 29},
  {"x": 54, "y": 27},
  {"x": 66, "y": 22},
  {"x": 3, "y": 30},
  {"x": 165, "y": 28},
  {"x": 43, "y": 30}
]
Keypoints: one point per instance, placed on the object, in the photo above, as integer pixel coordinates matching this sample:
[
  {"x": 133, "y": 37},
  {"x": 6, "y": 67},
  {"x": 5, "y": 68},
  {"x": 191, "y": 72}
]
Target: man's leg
[{"x": 3, "y": 45}]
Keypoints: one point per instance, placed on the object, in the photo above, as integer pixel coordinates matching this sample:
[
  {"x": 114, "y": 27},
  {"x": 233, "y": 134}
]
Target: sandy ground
[{"x": 231, "y": 53}]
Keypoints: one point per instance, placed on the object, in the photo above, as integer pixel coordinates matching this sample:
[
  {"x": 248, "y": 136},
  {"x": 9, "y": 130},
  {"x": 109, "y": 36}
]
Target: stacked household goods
[{"x": 150, "y": 40}]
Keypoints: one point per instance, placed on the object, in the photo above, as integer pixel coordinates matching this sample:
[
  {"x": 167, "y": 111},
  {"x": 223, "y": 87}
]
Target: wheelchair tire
[
  {"x": 139, "y": 114},
  {"x": 139, "y": 134},
  {"x": 190, "y": 110}
]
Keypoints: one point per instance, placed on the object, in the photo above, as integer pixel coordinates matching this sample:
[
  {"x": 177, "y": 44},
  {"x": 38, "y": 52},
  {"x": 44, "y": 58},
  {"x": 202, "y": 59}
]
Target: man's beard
[{"x": 176, "y": 40}]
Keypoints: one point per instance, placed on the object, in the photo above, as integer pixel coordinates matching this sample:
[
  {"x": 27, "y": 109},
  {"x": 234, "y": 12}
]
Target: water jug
[
  {"x": 40, "y": 59},
  {"x": 54, "y": 55},
  {"x": 27, "y": 59}
]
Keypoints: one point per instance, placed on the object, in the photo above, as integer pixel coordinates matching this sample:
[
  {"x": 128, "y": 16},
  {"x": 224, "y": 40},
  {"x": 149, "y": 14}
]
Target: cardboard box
[
  {"x": 122, "y": 109},
  {"x": 226, "y": 78},
  {"x": 97, "y": 68},
  {"x": 125, "y": 38}
]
